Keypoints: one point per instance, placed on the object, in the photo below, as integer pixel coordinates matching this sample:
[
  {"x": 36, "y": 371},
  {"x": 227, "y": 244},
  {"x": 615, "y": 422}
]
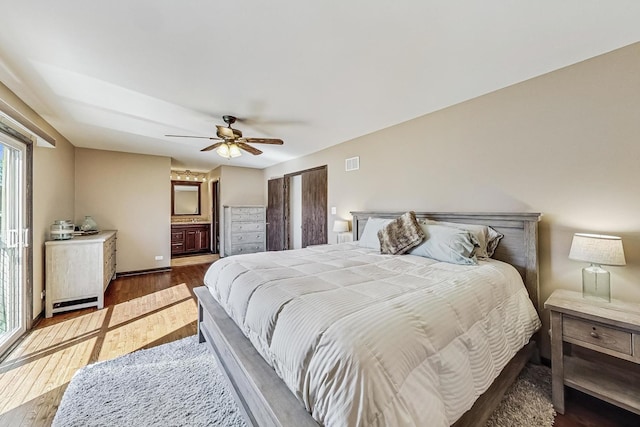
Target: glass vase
[{"x": 89, "y": 224}]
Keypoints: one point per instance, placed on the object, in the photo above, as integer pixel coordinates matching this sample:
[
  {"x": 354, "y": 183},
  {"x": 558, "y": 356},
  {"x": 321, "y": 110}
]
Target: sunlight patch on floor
[
  {"x": 135, "y": 308},
  {"x": 43, "y": 374},
  {"x": 135, "y": 334},
  {"x": 49, "y": 338},
  {"x": 49, "y": 356}
]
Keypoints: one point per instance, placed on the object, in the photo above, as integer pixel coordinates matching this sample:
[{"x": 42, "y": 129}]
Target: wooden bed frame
[{"x": 264, "y": 398}]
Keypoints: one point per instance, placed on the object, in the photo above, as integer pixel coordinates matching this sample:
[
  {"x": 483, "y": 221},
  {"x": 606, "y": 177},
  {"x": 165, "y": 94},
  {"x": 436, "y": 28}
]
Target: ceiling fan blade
[
  {"x": 249, "y": 148},
  {"x": 273, "y": 141},
  {"x": 191, "y": 136},
  {"x": 228, "y": 133},
  {"x": 212, "y": 147}
]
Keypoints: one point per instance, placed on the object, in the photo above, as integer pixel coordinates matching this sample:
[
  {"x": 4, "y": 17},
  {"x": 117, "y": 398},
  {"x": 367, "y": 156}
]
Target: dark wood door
[
  {"x": 314, "y": 207},
  {"x": 203, "y": 240},
  {"x": 275, "y": 215},
  {"x": 191, "y": 240}
]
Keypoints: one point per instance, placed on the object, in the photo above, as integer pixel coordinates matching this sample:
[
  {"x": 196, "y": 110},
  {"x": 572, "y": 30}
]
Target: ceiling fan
[{"x": 232, "y": 141}]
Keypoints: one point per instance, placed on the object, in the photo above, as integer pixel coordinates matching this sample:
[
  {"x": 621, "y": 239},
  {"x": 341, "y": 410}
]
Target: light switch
[{"x": 333, "y": 210}]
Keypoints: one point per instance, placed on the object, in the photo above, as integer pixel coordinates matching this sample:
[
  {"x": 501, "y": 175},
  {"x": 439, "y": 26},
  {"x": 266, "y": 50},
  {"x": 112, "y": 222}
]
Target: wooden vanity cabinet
[{"x": 190, "y": 238}]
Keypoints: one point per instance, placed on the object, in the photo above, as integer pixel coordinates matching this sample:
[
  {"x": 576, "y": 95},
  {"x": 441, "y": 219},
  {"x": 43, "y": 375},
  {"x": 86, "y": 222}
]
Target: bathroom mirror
[{"x": 185, "y": 198}]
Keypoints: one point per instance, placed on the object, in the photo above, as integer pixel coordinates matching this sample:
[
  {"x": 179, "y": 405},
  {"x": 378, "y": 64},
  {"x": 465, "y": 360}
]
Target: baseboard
[
  {"x": 141, "y": 272},
  {"x": 190, "y": 254},
  {"x": 38, "y": 318}
]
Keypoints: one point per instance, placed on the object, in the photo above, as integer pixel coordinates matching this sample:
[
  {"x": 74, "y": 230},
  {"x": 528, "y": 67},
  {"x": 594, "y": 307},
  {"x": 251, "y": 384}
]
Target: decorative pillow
[
  {"x": 369, "y": 238},
  {"x": 487, "y": 237},
  {"x": 493, "y": 238},
  {"x": 447, "y": 244},
  {"x": 400, "y": 235}
]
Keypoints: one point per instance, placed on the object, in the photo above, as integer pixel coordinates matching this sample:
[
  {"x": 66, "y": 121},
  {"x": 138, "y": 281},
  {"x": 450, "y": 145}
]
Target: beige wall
[
  {"x": 241, "y": 186},
  {"x": 565, "y": 144},
  {"x": 53, "y": 187},
  {"x": 238, "y": 186},
  {"x": 130, "y": 193}
]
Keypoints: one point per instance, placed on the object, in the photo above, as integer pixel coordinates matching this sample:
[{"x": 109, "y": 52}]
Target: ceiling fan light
[
  {"x": 234, "y": 150},
  {"x": 223, "y": 151}
]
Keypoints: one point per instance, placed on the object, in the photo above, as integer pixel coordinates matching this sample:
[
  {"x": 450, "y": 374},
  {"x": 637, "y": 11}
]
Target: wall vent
[
  {"x": 352, "y": 164},
  {"x": 75, "y": 302}
]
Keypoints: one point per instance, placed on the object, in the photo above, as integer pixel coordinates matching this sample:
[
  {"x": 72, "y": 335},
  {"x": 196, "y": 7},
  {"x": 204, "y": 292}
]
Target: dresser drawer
[
  {"x": 255, "y": 237},
  {"x": 596, "y": 334},
  {"x": 247, "y": 217},
  {"x": 246, "y": 226},
  {"x": 247, "y": 210},
  {"x": 247, "y": 248}
]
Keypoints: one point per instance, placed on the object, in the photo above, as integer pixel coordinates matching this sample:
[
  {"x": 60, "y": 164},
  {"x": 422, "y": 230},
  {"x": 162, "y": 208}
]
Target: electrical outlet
[
  {"x": 159, "y": 257},
  {"x": 333, "y": 210}
]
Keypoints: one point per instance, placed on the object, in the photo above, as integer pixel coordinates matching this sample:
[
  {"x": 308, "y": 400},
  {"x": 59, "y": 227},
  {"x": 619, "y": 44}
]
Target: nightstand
[{"x": 595, "y": 348}]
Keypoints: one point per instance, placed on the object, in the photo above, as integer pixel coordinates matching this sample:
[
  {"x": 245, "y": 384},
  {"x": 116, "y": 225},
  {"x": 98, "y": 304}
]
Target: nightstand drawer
[{"x": 597, "y": 334}]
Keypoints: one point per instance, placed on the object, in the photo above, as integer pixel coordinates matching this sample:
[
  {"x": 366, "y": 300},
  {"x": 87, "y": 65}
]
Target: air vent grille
[{"x": 352, "y": 164}]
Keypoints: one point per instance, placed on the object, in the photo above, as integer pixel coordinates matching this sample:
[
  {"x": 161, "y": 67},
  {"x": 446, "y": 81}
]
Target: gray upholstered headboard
[{"x": 518, "y": 247}]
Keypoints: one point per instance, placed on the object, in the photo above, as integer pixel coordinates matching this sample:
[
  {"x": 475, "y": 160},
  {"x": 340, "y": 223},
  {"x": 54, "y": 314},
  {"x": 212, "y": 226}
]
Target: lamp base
[
  {"x": 596, "y": 283},
  {"x": 344, "y": 237}
]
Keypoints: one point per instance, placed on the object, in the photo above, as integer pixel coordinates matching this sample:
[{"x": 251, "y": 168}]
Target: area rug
[{"x": 179, "y": 384}]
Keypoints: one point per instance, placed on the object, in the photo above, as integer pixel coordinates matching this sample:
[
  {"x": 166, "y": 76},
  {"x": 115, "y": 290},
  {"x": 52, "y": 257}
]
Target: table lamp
[
  {"x": 340, "y": 226},
  {"x": 597, "y": 250}
]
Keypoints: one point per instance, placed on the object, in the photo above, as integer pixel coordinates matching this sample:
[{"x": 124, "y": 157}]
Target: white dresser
[
  {"x": 244, "y": 229},
  {"x": 78, "y": 271}
]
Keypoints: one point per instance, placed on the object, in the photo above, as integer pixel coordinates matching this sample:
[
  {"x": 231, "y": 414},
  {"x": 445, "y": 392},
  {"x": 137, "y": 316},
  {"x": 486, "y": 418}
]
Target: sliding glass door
[{"x": 13, "y": 236}]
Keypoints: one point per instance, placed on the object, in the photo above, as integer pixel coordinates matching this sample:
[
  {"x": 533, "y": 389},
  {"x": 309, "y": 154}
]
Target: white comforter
[{"x": 364, "y": 339}]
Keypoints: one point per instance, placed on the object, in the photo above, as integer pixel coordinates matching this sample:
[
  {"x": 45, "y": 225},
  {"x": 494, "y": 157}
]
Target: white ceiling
[{"x": 119, "y": 75}]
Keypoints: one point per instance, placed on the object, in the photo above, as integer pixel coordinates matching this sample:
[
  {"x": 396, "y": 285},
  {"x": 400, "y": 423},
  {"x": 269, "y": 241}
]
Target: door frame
[
  {"x": 287, "y": 195},
  {"x": 215, "y": 216},
  {"x": 13, "y": 137}
]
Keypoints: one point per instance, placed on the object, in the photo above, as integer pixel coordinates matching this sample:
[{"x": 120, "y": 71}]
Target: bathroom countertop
[{"x": 189, "y": 223}]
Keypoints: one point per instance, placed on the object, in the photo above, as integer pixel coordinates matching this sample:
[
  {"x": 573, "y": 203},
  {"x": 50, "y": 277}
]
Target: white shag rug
[
  {"x": 179, "y": 384},
  {"x": 175, "y": 384}
]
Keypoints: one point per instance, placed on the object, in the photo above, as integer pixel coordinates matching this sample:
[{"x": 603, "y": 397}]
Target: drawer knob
[{"x": 594, "y": 334}]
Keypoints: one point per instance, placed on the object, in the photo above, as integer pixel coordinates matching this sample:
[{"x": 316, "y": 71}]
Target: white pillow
[
  {"x": 369, "y": 238},
  {"x": 447, "y": 244},
  {"x": 487, "y": 237}
]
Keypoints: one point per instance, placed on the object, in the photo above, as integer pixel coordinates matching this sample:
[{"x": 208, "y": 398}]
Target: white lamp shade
[
  {"x": 223, "y": 151},
  {"x": 340, "y": 226},
  {"x": 234, "y": 150},
  {"x": 597, "y": 249}
]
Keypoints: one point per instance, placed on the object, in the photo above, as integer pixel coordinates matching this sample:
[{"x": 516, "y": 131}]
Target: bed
[{"x": 241, "y": 343}]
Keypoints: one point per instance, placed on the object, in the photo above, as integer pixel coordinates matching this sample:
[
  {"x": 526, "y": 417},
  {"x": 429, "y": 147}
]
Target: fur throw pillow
[{"x": 400, "y": 235}]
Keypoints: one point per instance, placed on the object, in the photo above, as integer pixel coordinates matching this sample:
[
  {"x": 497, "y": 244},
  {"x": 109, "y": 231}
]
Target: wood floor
[{"x": 142, "y": 312}]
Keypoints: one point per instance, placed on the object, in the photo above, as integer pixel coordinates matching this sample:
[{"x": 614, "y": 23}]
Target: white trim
[
  {"x": 22, "y": 130},
  {"x": 7, "y": 341}
]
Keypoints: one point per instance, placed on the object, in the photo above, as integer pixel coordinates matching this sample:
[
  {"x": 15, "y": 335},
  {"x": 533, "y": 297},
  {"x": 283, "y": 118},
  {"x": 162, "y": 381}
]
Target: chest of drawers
[
  {"x": 244, "y": 229},
  {"x": 78, "y": 271}
]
